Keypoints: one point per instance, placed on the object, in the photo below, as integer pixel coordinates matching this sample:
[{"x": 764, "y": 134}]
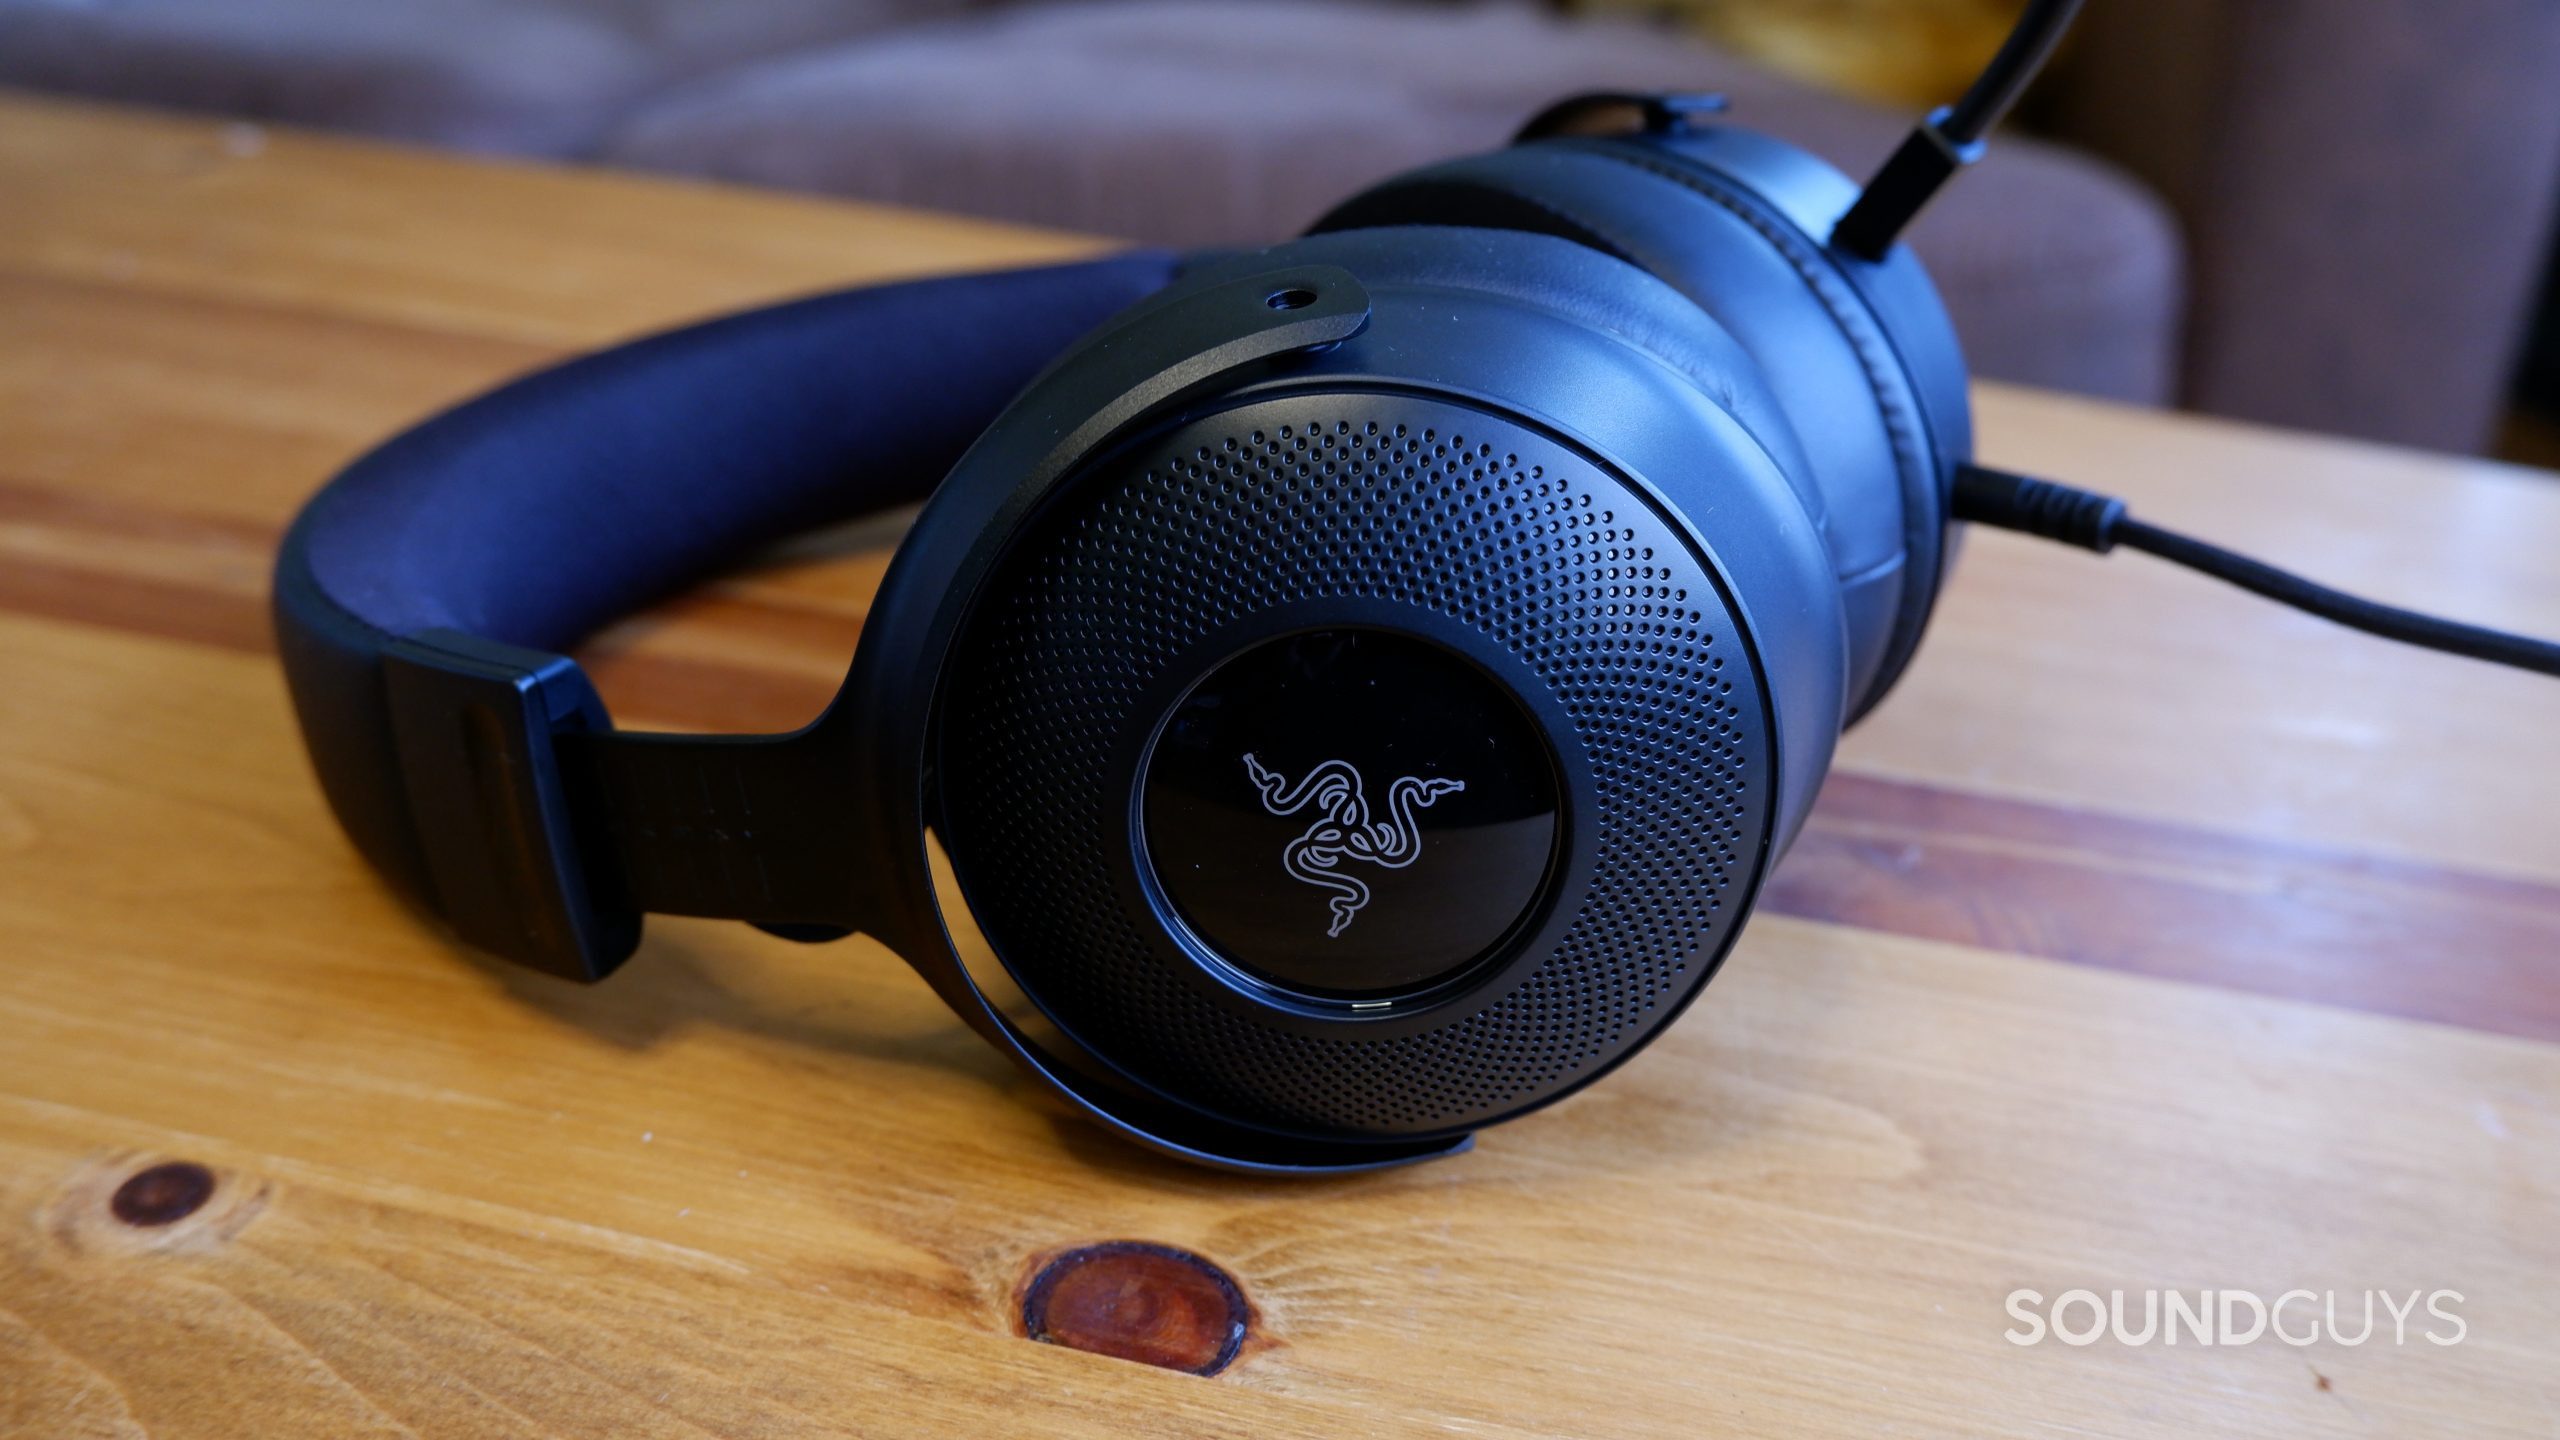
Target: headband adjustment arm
[{"x": 475, "y": 724}]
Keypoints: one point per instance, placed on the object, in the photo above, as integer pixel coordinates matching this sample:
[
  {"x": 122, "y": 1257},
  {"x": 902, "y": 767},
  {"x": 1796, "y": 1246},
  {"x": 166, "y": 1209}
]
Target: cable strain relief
[{"x": 2038, "y": 507}]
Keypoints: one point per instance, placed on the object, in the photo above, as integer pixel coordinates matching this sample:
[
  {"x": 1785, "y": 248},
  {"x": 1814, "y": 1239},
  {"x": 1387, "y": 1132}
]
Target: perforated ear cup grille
[{"x": 1380, "y": 501}]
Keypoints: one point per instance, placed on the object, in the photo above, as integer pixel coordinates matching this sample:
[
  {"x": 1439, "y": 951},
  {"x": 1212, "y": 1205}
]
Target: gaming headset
[{"x": 1358, "y": 686}]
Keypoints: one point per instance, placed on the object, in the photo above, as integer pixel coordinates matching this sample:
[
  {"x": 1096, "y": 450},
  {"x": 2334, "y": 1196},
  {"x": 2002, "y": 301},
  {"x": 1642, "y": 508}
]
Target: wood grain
[
  {"x": 2312, "y": 921},
  {"x": 750, "y": 1188}
]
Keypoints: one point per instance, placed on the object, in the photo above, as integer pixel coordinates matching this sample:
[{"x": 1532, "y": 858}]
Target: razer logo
[{"x": 1343, "y": 830}]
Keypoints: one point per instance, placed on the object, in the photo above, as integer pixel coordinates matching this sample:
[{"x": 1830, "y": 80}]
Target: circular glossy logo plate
[{"x": 1350, "y": 813}]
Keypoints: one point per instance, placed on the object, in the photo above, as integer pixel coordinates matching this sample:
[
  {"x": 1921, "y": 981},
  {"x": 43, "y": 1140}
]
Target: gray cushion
[
  {"x": 1177, "y": 122},
  {"x": 527, "y": 76}
]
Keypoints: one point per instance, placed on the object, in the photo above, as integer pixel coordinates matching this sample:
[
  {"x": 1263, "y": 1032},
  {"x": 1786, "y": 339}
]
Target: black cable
[
  {"x": 1951, "y": 138},
  {"x": 2100, "y": 523},
  {"x": 2011, "y": 70}
]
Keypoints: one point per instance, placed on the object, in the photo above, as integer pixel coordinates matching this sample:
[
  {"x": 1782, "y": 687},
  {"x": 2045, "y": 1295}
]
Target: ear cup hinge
[{"x": 475, "y": 725}]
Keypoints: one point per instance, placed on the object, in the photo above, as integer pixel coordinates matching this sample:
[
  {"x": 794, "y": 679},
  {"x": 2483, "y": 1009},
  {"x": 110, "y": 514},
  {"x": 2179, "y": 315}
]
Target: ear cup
[
  {"x": 1387, "y": 740},
  {"x": 1837, "y": 370}
]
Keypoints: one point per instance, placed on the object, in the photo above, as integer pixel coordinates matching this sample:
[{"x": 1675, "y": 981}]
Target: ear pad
[{"x": 1835, "y": 368}]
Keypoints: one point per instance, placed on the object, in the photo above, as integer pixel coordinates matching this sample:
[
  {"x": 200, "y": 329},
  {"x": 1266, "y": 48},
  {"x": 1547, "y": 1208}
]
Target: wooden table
[{"x": 2149, "y": 938}]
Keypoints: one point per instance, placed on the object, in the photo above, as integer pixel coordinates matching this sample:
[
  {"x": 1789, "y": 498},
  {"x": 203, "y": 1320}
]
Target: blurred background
[{"x": 2329, "y": 214}]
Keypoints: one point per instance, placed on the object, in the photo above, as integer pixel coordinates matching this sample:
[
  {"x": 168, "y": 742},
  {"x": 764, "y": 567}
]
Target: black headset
[{"x": 1358, "y": 686}]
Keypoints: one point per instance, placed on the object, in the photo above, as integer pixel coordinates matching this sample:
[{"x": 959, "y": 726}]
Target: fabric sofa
[{"x": 2336, "y": 222}]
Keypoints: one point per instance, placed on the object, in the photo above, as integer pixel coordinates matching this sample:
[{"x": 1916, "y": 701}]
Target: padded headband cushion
[{"x": 539, "y": 511}]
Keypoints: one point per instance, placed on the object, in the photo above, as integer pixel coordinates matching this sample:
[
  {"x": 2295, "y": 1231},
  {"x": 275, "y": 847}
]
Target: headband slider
[{"x": 475, "y": 723}]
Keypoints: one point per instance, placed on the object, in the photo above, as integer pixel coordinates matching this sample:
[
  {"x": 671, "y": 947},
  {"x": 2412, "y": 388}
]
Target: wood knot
[
  {"x": 1137, "y": 1301},
  {"x": 162, "y": 1194},
  {"x": 135, "y": 1204}
]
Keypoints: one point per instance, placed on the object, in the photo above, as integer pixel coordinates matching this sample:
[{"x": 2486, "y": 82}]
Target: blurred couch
[{"x": 2314, "y": 212}]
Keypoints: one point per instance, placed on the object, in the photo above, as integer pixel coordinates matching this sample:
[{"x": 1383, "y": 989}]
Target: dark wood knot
[
  {"x": 1135, "y": 1301},
  {"x": 162, "y": 1195}
]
